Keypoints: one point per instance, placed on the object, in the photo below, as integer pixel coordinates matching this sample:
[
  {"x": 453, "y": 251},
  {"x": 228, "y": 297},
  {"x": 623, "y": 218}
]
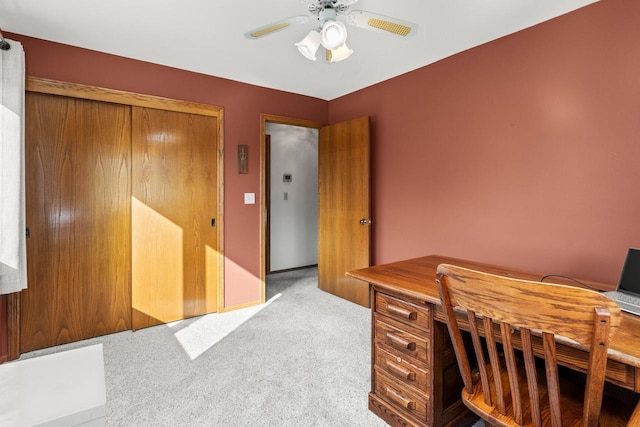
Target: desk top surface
[{"x": 415, "y": 278}]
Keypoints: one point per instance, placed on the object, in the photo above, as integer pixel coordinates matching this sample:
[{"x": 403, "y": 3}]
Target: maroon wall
[
  {"x": 523, "y": 152},
  {"x": 242, "y": 104}
]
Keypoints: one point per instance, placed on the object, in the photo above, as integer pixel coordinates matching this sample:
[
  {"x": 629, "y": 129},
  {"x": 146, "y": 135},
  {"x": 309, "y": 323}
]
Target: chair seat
[{"x": 614, "y": 412}]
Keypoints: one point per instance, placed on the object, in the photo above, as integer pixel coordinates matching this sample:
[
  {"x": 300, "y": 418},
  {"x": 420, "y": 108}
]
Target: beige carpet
[{"x": 302, "y": 359}]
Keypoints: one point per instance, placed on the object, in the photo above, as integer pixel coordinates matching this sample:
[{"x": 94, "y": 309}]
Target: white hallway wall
[{"x": 294, "y": 221}]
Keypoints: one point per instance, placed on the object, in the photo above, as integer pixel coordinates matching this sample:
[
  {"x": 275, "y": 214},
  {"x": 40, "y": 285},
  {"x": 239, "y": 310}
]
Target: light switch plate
[{"x": 249, "y": 198}]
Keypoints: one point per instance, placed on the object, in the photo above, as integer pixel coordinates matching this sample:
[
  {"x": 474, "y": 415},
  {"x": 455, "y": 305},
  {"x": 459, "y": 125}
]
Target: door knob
[{"x": 365, "y": 221}]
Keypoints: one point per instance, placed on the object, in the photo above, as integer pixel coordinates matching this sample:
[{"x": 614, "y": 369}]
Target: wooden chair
[{"x": 514, "y": 389}]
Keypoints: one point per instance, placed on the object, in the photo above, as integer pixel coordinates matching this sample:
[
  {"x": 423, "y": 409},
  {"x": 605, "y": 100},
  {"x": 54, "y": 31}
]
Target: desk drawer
[
  {"x": 406, "y": 312},
  {"x": 400, "y": 396},
  {"x": 389, "y": 413},
  {"x": 401, "y": 338},
  {"x": 395, "y": 366}
]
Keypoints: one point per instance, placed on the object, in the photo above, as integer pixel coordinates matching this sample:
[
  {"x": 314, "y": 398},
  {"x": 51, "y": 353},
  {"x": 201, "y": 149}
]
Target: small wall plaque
[{"x": 243, "y": 158}]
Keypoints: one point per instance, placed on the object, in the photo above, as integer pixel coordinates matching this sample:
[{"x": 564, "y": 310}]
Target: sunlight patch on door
[
  {"x": 157, "y": 270},
  {"x": 207, "y": 331}
]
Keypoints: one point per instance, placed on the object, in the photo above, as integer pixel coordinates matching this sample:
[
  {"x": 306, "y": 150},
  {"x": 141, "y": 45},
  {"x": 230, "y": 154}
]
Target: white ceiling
[{"x": 207, "y": 36}]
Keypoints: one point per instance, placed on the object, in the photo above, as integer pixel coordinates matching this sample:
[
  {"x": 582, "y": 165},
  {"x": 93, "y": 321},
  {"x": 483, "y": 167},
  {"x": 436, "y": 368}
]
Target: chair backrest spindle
[
  {"x": 512, "y": 372},
  {"x": 495, "y": 366},
  {"x": 532, "y": 377}
]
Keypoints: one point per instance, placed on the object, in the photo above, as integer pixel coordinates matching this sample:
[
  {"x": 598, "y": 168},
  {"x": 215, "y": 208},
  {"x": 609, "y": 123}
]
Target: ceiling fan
[{"x": 331, "y": 33}]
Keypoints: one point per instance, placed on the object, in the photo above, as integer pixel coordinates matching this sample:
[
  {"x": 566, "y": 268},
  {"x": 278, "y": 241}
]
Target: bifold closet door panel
[
  {"x": 174, "y": 241},
  {"x": 78, "y": 186}
]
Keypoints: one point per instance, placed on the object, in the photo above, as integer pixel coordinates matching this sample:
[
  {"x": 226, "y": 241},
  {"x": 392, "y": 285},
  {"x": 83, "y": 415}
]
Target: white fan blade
[
  {"x": 375, "y": 22},
  {"x": 276, "y": 26}
]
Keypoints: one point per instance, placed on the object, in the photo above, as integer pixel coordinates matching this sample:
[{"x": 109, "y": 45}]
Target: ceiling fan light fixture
[
  {"x": 309, "y": 45},
  {"x": 339, "y": 54},
  {"x": 333, "y": 35}
]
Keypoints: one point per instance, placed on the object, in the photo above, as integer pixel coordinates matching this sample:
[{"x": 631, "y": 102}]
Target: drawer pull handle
[
  {"x": 402, "y": 312},
  {"x": 401, "y": 342},
  {"x": 400, "y": 399},
  {"x": 400, "y": 371}
]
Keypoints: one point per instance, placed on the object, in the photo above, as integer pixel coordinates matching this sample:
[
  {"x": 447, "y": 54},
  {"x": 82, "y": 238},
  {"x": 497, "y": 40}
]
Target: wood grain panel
[
  {"x": 385, "y": 411},
  {"x": 13, "y": 323},
  {"x": 4, "y": 335},
  {"x": 175, "y": 248},
  {"x": 403, "y": 311},
  {"x": 76, "y": 90},
  {"x": 344, "y": 189},
  {"x": 77, "y": 195},
  {"x": 409, "y": 371},
  {"x": 403, "y": 338},
  {"x": 404, "y": 399}
]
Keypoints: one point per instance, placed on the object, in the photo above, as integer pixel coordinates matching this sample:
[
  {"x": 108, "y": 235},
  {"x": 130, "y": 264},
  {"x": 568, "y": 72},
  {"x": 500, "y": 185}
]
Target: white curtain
[{"x": 13, "y": 253}]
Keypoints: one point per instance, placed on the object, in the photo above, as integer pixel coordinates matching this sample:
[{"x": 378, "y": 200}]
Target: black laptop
[{"x": 627, "y": 294}]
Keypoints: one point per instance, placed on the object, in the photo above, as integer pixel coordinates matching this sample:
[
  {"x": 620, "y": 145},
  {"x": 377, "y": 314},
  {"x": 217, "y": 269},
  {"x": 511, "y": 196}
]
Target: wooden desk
[{"x": 414, "y": 372}]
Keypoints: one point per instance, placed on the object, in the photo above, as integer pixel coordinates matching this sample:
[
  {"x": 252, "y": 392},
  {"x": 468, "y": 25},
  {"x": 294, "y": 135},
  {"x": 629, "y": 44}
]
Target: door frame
[
  {"x": 264, "y": 119},
  {"x": 76, "y": 90}
]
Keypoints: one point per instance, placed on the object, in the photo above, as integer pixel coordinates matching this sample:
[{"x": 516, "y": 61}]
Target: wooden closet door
[
  {"x": 174, "y": 204},
  {"x": 78, "y": 213}
]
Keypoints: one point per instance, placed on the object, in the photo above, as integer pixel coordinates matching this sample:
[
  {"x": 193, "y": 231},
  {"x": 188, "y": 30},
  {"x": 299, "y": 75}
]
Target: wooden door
[
  {"x": 344, "y": 208},
  {"x": 174, "y": 206},
  {"x": 78, "y": 215}
]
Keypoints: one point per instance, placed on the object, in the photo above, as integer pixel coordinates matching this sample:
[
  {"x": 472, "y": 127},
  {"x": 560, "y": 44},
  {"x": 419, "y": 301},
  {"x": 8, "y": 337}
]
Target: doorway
[
  {"x": 344, "y": 214},
  {"x": 290, "y": 200},
  {"x": 292, "y": 197}
]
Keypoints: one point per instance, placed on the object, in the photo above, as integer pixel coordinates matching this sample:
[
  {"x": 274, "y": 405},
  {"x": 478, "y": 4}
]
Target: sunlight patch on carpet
[{"x": 204, "y": 333}]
